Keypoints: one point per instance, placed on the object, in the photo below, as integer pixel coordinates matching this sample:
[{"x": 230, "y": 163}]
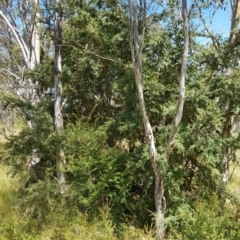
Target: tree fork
[{"x": 136, "y": 54}]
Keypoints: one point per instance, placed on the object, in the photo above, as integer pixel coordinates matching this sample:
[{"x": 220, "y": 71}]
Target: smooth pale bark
[
  {"x": 136, "y": 53},
  {"x": 30, "y": 54},
  {"x": 35, "y": 38},
  {"x": 58, "y": 116},
  {"x": 225, "y": 165},
  {"x": 228, "y": 122},
  {"x": 181, "y": 95},
  {"x": 235, "y": 6},
  {"x": 33, "y": 62},
  {"x": 22, "y": 45},
  {"x": 235, "y": 20}
]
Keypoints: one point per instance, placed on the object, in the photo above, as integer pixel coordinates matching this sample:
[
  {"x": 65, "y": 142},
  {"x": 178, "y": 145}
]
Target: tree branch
[
  {"x": 96, "y": 55},
  {"x": 215, "y": 42},
  {"x": 14, "y": 75},
  {"x": 181, "y": 97},
  {"x": 19, "y": 39}
]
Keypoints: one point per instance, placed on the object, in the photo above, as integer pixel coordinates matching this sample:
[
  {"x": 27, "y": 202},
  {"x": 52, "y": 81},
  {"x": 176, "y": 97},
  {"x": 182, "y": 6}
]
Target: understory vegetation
[
  {"x": 81, "y": 169},
  {"x": 41, "y": 214}
]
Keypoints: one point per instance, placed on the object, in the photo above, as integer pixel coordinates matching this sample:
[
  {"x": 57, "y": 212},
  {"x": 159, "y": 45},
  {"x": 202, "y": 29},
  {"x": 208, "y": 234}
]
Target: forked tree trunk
[
  {"x": 33, "y": 62},
  {"x": 58, "y": 115},
  {"x": 136, "y": 54},
  {"x": 31, "y": 54}
]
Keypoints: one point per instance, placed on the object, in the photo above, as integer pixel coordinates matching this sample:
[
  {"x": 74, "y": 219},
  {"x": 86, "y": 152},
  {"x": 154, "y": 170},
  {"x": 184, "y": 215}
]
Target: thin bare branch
[
  {"x": 95, "y": 54},
  {"x": 14, "y": 75},
  {"x": 181, "y": 97},
  {"x": 214, "y": 40},
  {"x": 236, "y": 165},
  {"x": 19, "y": 39}
]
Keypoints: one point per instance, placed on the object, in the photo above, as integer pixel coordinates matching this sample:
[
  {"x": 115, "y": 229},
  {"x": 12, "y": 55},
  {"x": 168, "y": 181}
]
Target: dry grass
[
  {"x": 13, "y": 223},
  {"x": 234, "y": 182},
  {"x": 7, "y": 182}
]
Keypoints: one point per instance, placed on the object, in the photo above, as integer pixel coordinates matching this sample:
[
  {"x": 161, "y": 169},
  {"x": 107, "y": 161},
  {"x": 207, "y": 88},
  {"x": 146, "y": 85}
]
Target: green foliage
[
  {"x": 43, "y": 75},
  {"x": 42, "y": 214},
  {"x": 209, "y": 219},
  {"x": 95, "y": 45},
  {"x": 100, "y": 175}
]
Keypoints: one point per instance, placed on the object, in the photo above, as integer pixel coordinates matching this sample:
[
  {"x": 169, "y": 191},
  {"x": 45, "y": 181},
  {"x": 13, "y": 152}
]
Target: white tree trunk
[
  {"x": 31, "y": 54},
  {"x": 22, "y": 45},
  {"x": 136, "y": 54},
  {"x": 234, "y": 21},
  {"x": 181, "y": 97},
  {"x": 58, "y": 116},
  {"x": 35, "y": 39},
  {"x": 226, "y": 134}
]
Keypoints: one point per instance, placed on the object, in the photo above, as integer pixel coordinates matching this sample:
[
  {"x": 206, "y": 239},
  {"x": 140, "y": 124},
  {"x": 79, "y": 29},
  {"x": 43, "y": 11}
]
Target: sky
[{"x": 221, "y": 21}]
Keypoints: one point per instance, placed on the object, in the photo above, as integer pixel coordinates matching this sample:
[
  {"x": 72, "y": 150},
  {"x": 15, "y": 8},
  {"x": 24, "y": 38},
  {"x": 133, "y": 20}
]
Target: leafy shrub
[
  {"x": 211, "y": 219},
  {"x": 99, "y": 175}
]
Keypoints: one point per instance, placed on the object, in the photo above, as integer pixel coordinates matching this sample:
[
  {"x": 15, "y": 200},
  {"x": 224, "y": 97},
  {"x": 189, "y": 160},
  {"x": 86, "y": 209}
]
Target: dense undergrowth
[
  {"x": 61, "y": 221},
  {"x": 209, "y": 219},
  {"x": 103, "y": 200}
]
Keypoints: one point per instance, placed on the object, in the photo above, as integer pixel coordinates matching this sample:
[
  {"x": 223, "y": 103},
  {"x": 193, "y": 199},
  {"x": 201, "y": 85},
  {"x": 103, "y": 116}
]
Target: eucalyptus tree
[
  {"x": 235, "y": 8},
  {"x": 136, "y": 46},
  {"x": 28, "y": 39},
  {"x": 224, "y": 67},
  {"x": 58, "y": 106},
  {"x": 29, "y": 45}
]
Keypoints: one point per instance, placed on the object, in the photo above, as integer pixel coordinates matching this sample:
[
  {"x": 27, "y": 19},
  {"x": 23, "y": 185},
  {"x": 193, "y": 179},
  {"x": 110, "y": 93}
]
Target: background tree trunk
[
  {"x": 58, "y": 116},
  {"x": 235, "y": 20},
  {"x": 31, "y": 54}
]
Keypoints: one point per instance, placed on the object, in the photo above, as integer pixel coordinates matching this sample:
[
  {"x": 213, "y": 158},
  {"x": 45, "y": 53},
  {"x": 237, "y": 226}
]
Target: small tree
[{"x": 136, "y": 46}]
